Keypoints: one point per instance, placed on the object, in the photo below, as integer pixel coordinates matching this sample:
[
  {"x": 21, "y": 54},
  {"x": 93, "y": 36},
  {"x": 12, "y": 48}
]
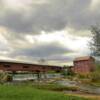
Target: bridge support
[
  {"x": 38, "y": 75},
  {"x": 45, "y": 76}
]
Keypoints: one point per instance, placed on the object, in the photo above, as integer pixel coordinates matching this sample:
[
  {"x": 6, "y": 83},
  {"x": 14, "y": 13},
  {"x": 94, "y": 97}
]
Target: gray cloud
[
  {"x": 15, "y": 22},
  {"x": 42, "y": 19},
  {"x": 4, "y": 47},
  {"x": 42, "y": 51},
  {"x": 52, "y": 16},
  {"x": 55, "y": 15}
]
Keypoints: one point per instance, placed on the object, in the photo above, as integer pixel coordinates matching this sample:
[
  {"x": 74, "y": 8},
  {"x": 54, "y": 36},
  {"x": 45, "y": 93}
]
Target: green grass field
[{"x": 28, "y": 92}]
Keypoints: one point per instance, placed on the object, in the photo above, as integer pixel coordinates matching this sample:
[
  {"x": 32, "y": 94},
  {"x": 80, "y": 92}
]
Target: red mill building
[{"x": 84, "y": 64}]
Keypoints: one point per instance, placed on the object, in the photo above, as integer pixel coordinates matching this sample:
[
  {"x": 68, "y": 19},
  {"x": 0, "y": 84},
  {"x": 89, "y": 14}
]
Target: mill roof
[{"x": 83, "y": 58}]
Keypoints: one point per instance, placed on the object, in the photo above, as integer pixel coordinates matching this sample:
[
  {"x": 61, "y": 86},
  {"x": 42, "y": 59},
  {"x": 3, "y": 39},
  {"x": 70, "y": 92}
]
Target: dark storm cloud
[
  {"x": 43, "y": 50},
  {"x": 53, "y": 16}
]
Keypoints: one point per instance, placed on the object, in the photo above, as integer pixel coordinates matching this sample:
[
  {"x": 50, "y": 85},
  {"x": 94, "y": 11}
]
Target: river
[
  {"x": 21, "y": 77},
  {"x": 66, "y": 82}
]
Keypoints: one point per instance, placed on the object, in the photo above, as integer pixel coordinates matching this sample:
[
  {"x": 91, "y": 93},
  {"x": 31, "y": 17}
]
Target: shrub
[
  {"x": 5, "y": 77},
  {"x": 95, "y": 76},
  {"x": 9, "y": 78}
]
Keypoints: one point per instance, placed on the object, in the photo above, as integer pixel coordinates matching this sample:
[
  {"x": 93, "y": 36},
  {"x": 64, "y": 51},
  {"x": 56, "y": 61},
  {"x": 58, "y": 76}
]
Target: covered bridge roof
[{"x": 26, "y": 63}]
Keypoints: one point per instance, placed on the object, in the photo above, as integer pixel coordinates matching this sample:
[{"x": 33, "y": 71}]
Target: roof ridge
[{"x": 83, "y": 58}]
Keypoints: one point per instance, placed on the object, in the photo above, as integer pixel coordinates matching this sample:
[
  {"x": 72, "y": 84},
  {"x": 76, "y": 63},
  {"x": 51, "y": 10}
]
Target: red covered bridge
[{"x": 18, "y": 66}]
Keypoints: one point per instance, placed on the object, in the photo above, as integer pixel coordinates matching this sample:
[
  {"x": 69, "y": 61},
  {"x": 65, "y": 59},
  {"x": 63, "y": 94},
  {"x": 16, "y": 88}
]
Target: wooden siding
[
  {"x": 84, "y": 65},
  {"x": 11, "y": 66}
]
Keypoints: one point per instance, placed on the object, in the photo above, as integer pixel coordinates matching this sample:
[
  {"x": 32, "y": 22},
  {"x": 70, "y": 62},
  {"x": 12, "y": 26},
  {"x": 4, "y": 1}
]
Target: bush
[
  {"x": 2, "y": 75},
  {"x": 95, "y": 76},
  {"x": 9, "y": 78},
  {"x": 5, "y": 77},
  {"x": 83, "y": 76},
  {"x": 67, "y": 72}
]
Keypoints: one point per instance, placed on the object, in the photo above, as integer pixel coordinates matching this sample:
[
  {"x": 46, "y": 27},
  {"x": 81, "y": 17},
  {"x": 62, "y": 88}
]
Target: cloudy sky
[{"x": 54, "y": 30}]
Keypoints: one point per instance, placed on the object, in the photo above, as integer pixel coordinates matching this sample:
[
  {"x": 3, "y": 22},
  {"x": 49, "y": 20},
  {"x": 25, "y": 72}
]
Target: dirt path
[{"x": 90, "y": 96}]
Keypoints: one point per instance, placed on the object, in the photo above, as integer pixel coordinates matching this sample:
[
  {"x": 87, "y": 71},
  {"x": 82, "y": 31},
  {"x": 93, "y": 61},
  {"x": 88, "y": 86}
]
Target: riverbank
[
  {"x": 29, "y": 92},
  {"x": 61, "y": 85},
  {"x": 67, "y": 90},
  {"x": 89, "y": 96}
]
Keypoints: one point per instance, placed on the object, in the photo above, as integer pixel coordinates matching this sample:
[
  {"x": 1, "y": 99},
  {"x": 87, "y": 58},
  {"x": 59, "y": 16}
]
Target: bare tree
[{"x": 42, "y": 61}]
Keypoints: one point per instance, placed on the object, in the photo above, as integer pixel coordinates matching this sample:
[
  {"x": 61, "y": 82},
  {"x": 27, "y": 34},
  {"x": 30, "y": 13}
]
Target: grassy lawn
[{"x": 28, "y": 92}]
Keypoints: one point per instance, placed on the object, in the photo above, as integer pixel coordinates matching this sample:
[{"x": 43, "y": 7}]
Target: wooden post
[
  {"x": 38, "y": 75},
  {"x": 45, "y": 76},
  {"x": 33, "y": 74},
  {"x": 13, "y": 74}
]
